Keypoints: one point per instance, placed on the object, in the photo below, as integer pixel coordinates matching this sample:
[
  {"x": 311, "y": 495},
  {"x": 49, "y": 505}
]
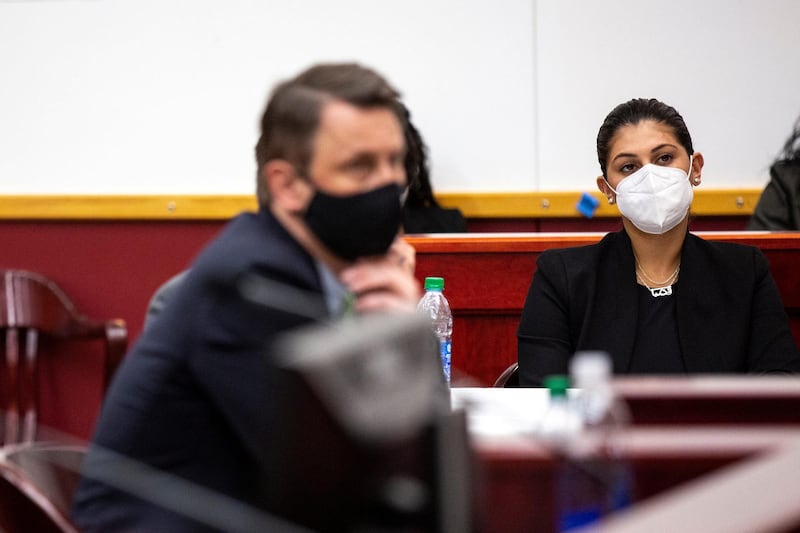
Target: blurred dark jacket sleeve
[
  {"x": 778, "y": 209},
  {"x": 162, "y": 296}
]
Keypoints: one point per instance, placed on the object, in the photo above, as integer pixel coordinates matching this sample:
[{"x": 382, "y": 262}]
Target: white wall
[
  {"x": 149, "y": 96},
  {"x": 731, "y": 68},
  {"x": 163, "y": 96}
]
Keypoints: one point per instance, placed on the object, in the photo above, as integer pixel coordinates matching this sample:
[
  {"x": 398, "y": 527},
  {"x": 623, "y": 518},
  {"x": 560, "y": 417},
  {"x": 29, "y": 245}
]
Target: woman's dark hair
[
  {"x": 633, "y": 112},
  {"x": 420, "y": 191},
  {"x": 791, "y": 150}
]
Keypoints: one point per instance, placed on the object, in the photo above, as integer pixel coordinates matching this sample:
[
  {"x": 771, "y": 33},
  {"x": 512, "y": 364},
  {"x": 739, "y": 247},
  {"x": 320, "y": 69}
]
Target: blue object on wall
[{"x": 587, "y": 205}]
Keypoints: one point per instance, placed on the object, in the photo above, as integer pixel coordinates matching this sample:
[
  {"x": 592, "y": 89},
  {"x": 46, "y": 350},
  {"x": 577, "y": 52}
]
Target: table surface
[
  {"x": 669, "y": 462},
  {"x": 497, "y": 412},
  {"x": 507, "y": 419}
]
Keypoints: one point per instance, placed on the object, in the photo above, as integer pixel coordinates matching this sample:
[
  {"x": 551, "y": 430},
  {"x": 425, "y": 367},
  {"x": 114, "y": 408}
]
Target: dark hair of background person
[
  {"x": 635, "y": 111},
  {"x": 420, "y": 191},
  {"x": 292, "y": 115},
  {"x": 791, "y": 150},
  {"x": 422, "y": 212}
]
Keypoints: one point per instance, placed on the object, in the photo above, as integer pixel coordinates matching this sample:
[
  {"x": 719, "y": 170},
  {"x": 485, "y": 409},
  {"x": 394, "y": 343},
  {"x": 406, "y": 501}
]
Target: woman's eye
[
  {"x": 360, "y": 165},
  {"x": 625, "y": 169},
  {"x": 665, "y": 158}
]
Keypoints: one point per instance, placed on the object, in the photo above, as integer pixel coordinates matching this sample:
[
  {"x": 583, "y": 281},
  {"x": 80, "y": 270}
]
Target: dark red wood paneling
[
  {"x": 111, "y": 268},
  {"x": 487, "y": 278}
]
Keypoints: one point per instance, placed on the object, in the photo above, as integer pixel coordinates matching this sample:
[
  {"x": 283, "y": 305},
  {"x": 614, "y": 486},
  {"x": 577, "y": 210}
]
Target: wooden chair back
[
  {"x": 32, "y": 306},
  {"x": 37, "y": 483},
  {"x": 509, "y": 378}
]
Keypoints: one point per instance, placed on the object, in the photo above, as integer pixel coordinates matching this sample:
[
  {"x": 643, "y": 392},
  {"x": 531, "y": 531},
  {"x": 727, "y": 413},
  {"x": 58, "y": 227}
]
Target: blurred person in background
[
  {"x": 778, "y": 208},
  {"x": 421, "y": 212}
]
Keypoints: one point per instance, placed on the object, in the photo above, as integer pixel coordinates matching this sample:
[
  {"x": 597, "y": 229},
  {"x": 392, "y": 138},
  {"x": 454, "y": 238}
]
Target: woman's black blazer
[{"x": 729, "y": 314}]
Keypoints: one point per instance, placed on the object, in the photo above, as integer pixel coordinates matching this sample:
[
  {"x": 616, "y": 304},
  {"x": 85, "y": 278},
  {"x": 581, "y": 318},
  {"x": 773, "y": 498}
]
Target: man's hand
[{"x": 385, "y": 283}]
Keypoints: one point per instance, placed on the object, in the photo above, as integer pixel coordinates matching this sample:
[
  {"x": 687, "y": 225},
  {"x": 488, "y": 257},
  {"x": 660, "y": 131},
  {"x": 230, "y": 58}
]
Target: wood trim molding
[
  {"x": 125, "y": 207},
  {"x": 555, "y": 204},
  {"x": 562, "y": 204}
]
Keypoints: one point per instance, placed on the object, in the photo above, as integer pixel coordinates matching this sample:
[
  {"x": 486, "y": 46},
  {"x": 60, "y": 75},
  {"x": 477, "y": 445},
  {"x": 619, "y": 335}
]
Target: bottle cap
[
  {"x": 557, "y": 384},
  {"x": 434, "y": 284},
  {"x": 590, "y": 367}
]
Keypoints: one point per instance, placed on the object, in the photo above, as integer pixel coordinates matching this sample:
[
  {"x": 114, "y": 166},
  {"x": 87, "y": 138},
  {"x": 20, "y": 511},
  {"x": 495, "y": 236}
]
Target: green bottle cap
[
  {"x": 557, "y": 384},
  {"x": 436, "y": 284}
]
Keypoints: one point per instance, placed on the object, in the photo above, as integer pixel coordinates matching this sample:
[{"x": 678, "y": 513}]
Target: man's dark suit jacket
[
  {"x": 192, "y": 398},
  {"x": 164, "y": 293},
  {"x": 730, "y": 318}
]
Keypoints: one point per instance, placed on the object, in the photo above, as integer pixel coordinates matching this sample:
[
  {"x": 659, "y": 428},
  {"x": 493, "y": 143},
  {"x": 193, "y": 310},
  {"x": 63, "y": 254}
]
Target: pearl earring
[
  {"x": 610, "y": 200},
  {"x": 696, "y": 180}
]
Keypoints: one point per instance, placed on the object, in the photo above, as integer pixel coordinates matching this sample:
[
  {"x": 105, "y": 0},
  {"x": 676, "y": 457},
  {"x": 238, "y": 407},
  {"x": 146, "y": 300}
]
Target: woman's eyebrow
[
  {"x": 661, "y": 147},
  {"x": 623, "y": 154},
  {"x": 654, "y": 150}
]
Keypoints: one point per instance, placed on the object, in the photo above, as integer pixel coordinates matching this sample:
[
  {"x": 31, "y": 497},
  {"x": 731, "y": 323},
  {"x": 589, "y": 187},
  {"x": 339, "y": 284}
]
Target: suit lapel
[
  {"x": 614, "y": 312},
  {"x": 696, "y": 300}
]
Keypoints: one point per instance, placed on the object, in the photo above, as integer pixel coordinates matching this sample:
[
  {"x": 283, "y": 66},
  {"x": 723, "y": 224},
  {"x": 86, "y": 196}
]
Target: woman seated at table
[{"x": 657, "y": 298}]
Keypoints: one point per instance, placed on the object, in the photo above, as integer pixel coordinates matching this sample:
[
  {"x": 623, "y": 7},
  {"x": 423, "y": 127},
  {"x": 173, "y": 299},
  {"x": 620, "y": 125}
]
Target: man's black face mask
[{"x": 359, "y": 225}]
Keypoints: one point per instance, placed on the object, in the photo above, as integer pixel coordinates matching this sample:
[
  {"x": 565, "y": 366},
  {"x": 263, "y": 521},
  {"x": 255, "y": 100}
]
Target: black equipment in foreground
[{"x": 364, "y": 437}]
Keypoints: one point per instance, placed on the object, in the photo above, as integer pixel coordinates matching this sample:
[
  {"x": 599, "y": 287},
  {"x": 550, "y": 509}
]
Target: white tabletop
[{"x": 500, "y": 411}]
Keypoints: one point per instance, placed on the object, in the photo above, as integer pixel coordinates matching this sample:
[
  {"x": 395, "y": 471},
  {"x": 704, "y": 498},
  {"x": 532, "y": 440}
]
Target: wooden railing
[{"x": 474, "y": 205}]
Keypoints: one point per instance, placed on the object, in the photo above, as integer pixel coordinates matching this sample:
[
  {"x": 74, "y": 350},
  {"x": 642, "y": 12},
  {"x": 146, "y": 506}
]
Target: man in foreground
[{"x": 192, "y": 398}]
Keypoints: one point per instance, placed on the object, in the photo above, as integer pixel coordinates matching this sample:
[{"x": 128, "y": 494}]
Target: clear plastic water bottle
[
  {"x": 560, "y": 423},
  {"x": 594, "y": 479},
  {"x": 600, "y": 410},
  {"x": 435, "y": 307}
]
